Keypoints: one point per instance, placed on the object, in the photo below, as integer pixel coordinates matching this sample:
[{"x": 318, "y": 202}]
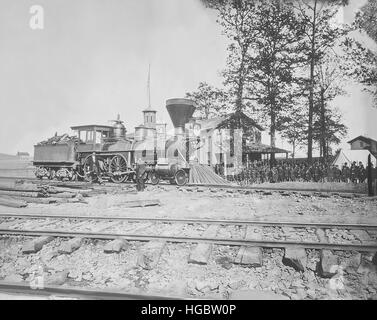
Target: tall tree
[
  {"x": 321, "y": 35},
  {"x": 274, "y": 55},
  {"x": 362, "y": 55},
  {"x": 211, "y": 101},
  {"x": 330, "y": 82},
  {"x": 328, "y": 130},
  {"x": 294, "y": 127},
  {"x": 236, "y": 18},
  {"x": 367, "y": 18}
]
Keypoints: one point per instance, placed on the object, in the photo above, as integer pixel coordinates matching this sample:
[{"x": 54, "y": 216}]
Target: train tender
[{"x": 70, "y": 158}]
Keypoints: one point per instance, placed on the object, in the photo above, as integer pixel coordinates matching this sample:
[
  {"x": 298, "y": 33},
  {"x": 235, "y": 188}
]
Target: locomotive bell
[{"x": 119, "y": 130}]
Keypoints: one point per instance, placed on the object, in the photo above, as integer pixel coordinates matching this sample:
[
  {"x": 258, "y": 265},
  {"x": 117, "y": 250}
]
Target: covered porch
[{"x": 259, "y": 151}]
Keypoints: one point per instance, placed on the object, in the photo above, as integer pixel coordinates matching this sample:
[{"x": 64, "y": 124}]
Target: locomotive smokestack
[{"x": 180, "y": 111}]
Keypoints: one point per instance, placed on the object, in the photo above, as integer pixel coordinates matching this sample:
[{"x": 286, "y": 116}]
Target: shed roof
[
  {"x": 232, "y": 120},
  {"x": 92, "y": 127},
  {"x": 363, "y": 138}
]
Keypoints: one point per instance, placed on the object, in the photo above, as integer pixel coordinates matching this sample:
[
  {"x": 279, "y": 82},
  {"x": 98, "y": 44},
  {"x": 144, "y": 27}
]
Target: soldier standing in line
[
  {"x": 330, "y": 174},
  {"x": 315, "y": 172},
  {"x": 361, "y": 173},
  {"x": 294, "y": 172},
  {"x": 265, "y": 172},
  {"x": 275, "y": 175},
  {"x": 308, "y": 173},
  {"x": 337, "y": 173},
  {"x": 345, "y": 172},
  {"x": 279, "y": 173},
  {"x": 353, "y": 172}
]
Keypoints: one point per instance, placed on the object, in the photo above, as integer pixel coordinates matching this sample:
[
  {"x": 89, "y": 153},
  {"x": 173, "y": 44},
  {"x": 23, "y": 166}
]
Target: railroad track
[
  {"x": 354, "y": 237},
  {"x": 227, "y": 187},
  {"x": 59, "y": 292}
]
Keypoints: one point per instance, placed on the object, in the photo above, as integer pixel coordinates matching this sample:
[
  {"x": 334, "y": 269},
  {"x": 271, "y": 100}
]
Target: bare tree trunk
[
  {"x": 311, "y": 94},
  {"x": 273, "y": 133},
  {"x": 323, "y": 125},
  {"x": 294, "y": 149},
  {"x": 241, "y": 82},
  {"x": 206, "y": 112}
]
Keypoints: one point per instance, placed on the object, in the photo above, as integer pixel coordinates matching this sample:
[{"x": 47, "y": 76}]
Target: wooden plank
[
  {"x": 37, "y": 200},
  {"x": 65, "y": 195},
  {"x": 21, "y": 194},
  {"x": 20, "y": 189},
  {"x": 140, "y": 203},
  {"x": 13, "y": 203}
]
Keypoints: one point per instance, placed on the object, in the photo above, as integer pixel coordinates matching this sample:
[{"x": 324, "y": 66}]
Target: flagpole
[{"x": 149, "y": 86}]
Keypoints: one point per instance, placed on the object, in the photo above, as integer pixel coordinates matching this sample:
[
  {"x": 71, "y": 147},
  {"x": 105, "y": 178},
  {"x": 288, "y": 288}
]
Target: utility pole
[{"x": 370, "y": 177}]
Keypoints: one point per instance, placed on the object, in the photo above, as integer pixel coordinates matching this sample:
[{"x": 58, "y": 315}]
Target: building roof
[
  {"x": 23, "y": 154},
  {"x": 230, "y": 120},
  {"x": 239, "y": 119},
  {"x": 92, "y": 127},
  {"x": 209, "y": 124},
  {"x": 149, "y": 109},
  {"x": 363, "y": 138},
  {"x": 262, "y": 148},
  {"x": 4, "y": 156}
]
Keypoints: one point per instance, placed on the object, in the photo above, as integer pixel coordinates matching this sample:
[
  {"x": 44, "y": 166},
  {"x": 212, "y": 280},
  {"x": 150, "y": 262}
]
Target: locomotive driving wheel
[
  {"x": 118, "y": 169},
  {"x": 180, "y": 178}
]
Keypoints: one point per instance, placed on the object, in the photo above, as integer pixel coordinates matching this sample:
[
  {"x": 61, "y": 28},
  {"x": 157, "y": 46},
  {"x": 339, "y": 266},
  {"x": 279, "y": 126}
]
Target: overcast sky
[{"x": 90, "y": 62}]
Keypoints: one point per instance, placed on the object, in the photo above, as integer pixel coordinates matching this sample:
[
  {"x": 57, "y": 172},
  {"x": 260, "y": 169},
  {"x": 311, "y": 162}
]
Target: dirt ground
[
  {"x": 199, "y": 202},
  {"x": 89, "y": 266}
]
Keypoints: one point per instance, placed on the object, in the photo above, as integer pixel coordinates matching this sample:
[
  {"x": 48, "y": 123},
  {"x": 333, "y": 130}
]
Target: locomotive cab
[
  {"x": 92, "y": 136},
  {"x": 113, "y": 151}
]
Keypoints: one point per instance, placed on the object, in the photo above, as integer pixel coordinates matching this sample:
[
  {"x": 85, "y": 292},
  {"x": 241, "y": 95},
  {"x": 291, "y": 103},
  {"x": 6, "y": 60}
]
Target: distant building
[
  {"x": 219, "y": 149},
  {"x": 364, "y": 143},
  {"x": 23, "y": 155}
]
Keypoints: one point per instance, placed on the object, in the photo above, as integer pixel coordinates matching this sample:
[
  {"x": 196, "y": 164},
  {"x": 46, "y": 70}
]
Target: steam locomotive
[{"x": 71, "y": 158}]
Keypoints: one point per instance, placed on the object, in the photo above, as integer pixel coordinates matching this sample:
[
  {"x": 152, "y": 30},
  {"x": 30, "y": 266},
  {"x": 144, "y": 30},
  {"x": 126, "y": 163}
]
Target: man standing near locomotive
[
  {"x": 141, "y": 174},
  {"x": 95, "y": 169}
]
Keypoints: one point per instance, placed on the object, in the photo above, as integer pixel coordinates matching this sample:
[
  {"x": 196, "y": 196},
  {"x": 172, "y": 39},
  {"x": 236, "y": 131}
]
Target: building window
[
  {"x": 144, "y": 153},
  {"x": 176, "y": 153}
]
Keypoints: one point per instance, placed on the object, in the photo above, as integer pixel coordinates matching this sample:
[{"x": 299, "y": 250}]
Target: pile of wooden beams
[
  {"x": 19, "y": 195},
  {"x": 204, "y": 175}
]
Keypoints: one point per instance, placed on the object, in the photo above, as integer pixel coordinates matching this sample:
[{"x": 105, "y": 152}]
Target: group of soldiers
[{"x": 261, "y": 171}]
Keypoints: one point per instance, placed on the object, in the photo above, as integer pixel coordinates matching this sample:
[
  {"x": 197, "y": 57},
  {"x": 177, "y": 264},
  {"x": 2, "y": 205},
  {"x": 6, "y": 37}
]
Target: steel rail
[
  {"x": 175, "y": 239},
  {"x": 276, "y": 189},
  {"x": 78, "y": 293},
  {"x": 317, "y": 225},
  {"x": 225, "y": 186}
]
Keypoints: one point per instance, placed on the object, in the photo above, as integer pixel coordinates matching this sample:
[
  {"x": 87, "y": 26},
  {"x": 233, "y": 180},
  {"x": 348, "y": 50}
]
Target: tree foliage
[
  {"x": 321, "y": 35},
  {"x": 330, "y": 81},
  {"x": 278, "y": 66},
  {"x": 211, "y": 101},
  {"x": 274, "y": 55},
  {"x": 363, "y": 57},
  {"x": 367, "y": 18}
]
